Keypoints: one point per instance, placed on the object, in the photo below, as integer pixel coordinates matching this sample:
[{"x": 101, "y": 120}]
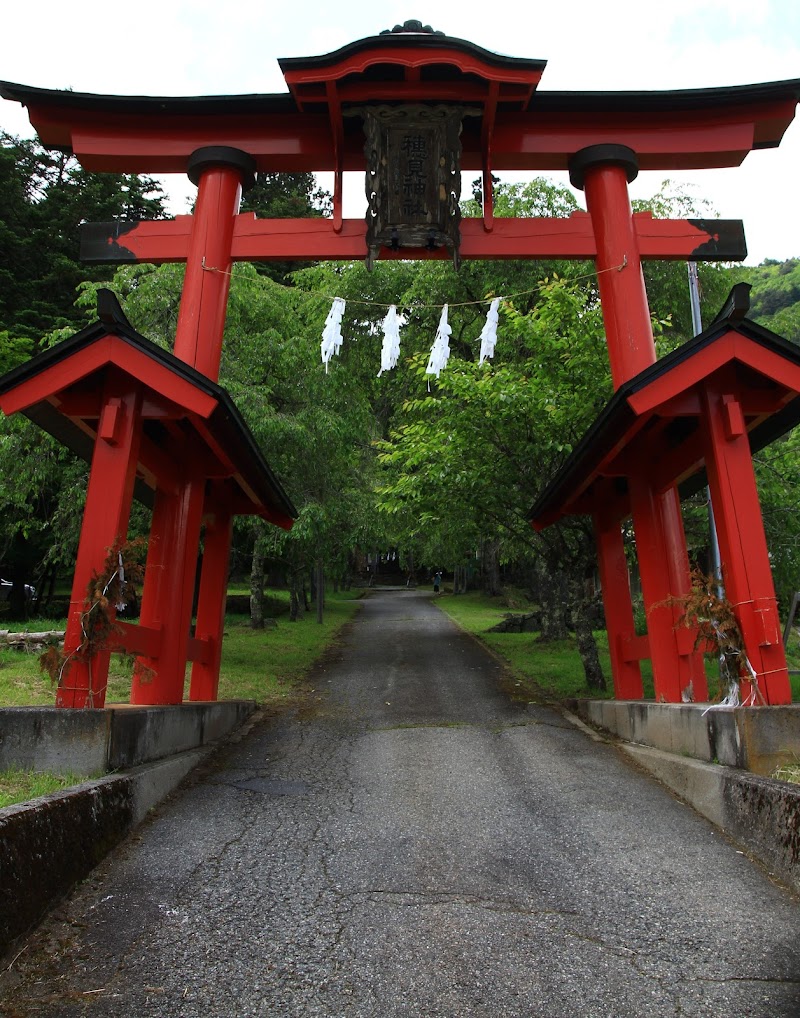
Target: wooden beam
[{"x": 317, "y": 239}]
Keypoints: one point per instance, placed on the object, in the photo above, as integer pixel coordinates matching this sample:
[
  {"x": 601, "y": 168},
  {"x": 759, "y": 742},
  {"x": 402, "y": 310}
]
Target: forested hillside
[{"x": 775, "y": 300}]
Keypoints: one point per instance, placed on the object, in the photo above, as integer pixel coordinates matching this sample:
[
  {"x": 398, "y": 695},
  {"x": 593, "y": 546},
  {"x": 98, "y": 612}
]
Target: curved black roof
[
  {"x": 284, "y": 103},
  {"x": 414, "y": 35},
  {"x": 226, "y": 421},
  {"x": 617, "y": 415},
  {"x": 149, "y": 105}
]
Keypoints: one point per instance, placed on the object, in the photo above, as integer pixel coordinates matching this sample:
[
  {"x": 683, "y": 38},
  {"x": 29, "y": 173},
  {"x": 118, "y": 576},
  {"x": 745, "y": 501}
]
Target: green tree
[
  {"x": 316, "y": 427},
  {"x": 44, "y": 197},
  {"x": 285, "y": 196},
  {"x": 667, "y": 282},
  {"x": 775, "y": 298},
  {"x": 470, "y": 456}
]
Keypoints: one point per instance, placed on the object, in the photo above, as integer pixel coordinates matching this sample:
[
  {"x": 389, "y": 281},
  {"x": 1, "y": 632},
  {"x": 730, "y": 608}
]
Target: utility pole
[{"x": 697, "y": 328}]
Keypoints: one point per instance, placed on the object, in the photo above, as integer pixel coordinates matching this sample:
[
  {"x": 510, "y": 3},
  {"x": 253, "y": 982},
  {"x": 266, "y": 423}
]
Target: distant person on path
[{"x": 437, "y": 581}]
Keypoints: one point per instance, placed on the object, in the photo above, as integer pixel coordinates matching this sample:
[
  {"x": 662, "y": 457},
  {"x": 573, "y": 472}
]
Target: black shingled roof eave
[
  {"x": 616, "y": 416},
  {"x": 675, "y": 100},
  {"x": 150, "y": 105},
  {"x": 284, "y": 103},
  {"x": 411, "y": 40},
  {"x": 112, "y": 321}
]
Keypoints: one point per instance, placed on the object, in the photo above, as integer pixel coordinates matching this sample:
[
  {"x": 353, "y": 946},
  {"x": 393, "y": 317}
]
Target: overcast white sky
[{"x": 206, "y": 47}]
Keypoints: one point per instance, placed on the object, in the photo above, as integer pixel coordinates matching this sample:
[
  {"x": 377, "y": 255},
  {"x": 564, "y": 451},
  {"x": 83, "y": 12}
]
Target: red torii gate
[{"x": 602, "y": 139}]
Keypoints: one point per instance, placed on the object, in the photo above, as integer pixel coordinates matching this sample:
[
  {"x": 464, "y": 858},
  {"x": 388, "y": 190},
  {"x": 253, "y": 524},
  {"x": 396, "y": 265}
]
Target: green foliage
[
  {"x": 536, "y": 198},
  {"x": 540, "y": 671},
  {"x": 668, "y": 283},
  {"x": 44, "y": 197},
  {"x": 285, "y": 196},
  {"x": 456, "y": 462},
  {"x": 778, "y": 476},
  {"x": 469, "y": 457},
  {"x": 13, "y": 351},
  {"x": 775, "y": 298},
  {"x": 315, "y": 427}
]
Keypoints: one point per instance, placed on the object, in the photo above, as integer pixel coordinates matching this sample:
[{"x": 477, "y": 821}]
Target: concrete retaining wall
[
  {"x": 755, "y": 739},
  {"x": 718, "y": 761},
  {"x": 49, "y": 844},
  {"x": 94, "y": 742},
  {"x": 761, "y": 815}
]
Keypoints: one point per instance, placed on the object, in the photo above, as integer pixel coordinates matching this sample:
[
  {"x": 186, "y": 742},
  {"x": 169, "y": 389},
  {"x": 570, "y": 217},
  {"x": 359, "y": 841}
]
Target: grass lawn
[
  {"x": 542, "y": 671},
  {"x": 554, "y": 670},
  {"x": 265, "y": 665},
  {"x": 20, "y": 786}
]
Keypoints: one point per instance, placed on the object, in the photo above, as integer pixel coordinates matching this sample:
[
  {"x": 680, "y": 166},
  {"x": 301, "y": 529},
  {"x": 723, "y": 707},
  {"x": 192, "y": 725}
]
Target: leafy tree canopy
[{"x": 44, "y": 197}]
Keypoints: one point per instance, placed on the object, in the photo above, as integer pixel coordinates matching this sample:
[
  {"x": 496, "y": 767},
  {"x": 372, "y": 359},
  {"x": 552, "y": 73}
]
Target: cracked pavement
[{"x": 417, "y": 845}]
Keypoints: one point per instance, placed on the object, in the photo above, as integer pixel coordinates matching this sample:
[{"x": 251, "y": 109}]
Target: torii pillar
[
  {"x": 603, "y": 172},
  {"x": 167, "y": 594}
]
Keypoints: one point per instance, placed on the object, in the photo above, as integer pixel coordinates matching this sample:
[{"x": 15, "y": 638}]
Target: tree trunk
[
  {"x": 257, "y": 584},
  {"x": 490, "y": 554},
  {"x": 581, "y": 614},
  {"x": 294, "y": 597},
  {"x": 19, "y": 602},
  {"x": 320, "y": 590},
  {"x": 552, "y": 597},
  {"x": 410, "y": 569}
]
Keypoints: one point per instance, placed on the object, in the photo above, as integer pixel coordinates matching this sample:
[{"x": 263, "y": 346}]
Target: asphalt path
[{"x": 417, "y": 844}]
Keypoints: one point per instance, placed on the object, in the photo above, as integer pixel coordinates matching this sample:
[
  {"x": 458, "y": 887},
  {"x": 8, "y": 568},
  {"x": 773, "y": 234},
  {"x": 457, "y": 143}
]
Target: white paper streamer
[
  {"x": 440, "y": 351},
  {"x": 332, "y": 333},
  {"x": 390, "y": 352},
  {"x": 489, "y": 333}
]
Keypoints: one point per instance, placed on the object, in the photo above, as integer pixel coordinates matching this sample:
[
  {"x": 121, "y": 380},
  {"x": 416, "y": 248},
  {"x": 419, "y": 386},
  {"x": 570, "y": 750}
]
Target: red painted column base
[
  {"x": 105, "y": 523},
  {"x": 615, "y": 582},
  {"x": 211, "y": 603},
  {"x": 746, "y": 571},
  {"x": 167, "y": 605}
]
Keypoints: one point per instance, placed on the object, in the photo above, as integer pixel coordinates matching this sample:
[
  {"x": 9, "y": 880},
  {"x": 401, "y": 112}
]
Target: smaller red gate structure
[
  {"x": 155, "y": 428},
  {"x": 694, "y": 415}
]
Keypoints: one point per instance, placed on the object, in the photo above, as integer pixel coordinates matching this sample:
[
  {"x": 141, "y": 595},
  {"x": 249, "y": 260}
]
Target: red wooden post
[
  {"x": 680, "y": 582},
  {"x": 105, "y": 521},
  {"x": 211, "y": 604},
  {"x": 615, "y": 581},
  {"x": 219, "y": 174},
  {"x": 604, "y": 172},
  {"x": 676, "y": 665},
  {"x": 175, "y": 530},
  {"x": 168, "y": 592},
  {"x": 747, "y": 575},
  {"x": 155, "y": 601}
]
